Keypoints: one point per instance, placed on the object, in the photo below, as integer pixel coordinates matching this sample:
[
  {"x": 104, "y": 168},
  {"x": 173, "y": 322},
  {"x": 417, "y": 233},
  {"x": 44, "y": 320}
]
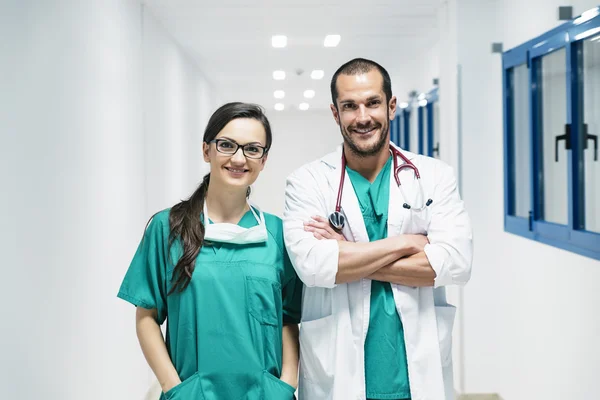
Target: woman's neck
[{"x": 226, "y": 205}]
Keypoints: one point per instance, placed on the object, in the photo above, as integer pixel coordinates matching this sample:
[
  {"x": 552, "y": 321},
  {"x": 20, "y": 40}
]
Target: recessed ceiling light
[
  {"x": 279, "y": 41},
  {"x": 317, "y": 74},
  {"x": 309, "y": 94},
  {"x": 332, "y": 40},
  {"x": 279, "y": 75},
  {"x": 279, "y": 94},
  {"x": 303, "y": 106},
  {"x": 279, "y": 107}
]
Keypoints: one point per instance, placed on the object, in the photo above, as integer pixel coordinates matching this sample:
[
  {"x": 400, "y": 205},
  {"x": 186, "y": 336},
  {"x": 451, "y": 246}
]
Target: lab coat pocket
[
  {"x": 188, "y": 389},
  {"x": 276, "y": 389},
  {"x": 418, "y": 221},
  {"x": 444, "y": 316},
  {"x": 317, "y": 352}
]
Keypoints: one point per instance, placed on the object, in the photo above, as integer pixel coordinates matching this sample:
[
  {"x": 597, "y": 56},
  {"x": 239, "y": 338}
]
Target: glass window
[
  {"x": 552, "y": 120},
  {"x": 591, "y": 119},
  {"x": 521, "y": 143}
]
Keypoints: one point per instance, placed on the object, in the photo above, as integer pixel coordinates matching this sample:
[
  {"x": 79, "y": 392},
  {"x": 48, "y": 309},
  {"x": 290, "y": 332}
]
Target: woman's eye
[
  {"x": 252, "y": 149},
  {"x": 226, "y": 145}
]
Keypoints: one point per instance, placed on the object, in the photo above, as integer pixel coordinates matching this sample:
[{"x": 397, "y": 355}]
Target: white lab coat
[{"x": 335, "y": 318}]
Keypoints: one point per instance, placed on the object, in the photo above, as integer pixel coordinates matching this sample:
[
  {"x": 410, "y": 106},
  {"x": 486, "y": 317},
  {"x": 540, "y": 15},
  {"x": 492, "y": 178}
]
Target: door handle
[
  {"x": 593, "y": 138},
  {"x": 566, "y": 137}
]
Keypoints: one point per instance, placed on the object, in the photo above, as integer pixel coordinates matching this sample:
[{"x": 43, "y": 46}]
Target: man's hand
[
  {"x": 415, "y": 242},
  {"x": 321, "y": 229}
]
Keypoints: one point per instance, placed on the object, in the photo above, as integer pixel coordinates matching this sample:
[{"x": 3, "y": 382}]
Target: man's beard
[{"x": 370, "y": 151}]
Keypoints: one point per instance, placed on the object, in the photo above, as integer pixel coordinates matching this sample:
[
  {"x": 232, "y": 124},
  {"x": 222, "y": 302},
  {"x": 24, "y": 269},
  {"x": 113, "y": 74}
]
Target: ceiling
[{"x": 231, "y": 41}]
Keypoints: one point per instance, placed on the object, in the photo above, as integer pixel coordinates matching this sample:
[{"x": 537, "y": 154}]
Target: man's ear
[
  {"x": 336, "y": 114},
  {"x": 392, "y": 108}
]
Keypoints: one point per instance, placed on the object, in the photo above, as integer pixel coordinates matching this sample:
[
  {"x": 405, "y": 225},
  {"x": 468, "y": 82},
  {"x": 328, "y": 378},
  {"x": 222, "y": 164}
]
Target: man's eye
[{"x": 348, "y": 106}]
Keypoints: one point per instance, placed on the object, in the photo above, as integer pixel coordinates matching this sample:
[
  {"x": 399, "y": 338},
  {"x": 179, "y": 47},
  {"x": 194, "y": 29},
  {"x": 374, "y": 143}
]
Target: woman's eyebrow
[{"x": 231, "y": 140}]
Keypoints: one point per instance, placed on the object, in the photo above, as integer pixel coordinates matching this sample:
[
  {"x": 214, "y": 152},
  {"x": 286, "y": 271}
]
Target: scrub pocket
[
  {"x": 264, "y": 301},
  {"x": 189, "y": 389},
  {"x": 276, "y": 389}
]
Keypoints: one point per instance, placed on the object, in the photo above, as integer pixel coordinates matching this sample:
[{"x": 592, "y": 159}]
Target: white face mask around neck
[{"x": 224, "y": 232}]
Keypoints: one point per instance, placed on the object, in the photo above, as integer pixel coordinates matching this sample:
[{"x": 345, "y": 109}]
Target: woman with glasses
[{"x": 215, "y": 267}]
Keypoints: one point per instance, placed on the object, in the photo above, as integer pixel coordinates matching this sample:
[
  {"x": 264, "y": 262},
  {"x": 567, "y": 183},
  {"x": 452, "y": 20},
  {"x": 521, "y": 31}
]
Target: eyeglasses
[{"x": 230, "y": 148}]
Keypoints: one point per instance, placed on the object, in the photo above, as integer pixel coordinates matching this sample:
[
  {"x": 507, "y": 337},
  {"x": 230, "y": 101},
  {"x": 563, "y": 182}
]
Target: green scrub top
[
  {"x": 385, "y": 351},
  {"x": 224, "y": 330}
]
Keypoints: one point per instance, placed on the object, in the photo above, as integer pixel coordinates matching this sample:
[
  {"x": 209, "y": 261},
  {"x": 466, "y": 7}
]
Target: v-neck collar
[{"x": 247, "y": 221}]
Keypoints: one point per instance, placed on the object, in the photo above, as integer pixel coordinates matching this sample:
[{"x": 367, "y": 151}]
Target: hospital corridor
[{"x": 300, "y": 199}]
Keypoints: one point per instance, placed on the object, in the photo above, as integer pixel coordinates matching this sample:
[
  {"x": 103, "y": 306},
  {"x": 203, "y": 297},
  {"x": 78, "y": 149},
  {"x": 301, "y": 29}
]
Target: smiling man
[{"x": 375, "y": 233}]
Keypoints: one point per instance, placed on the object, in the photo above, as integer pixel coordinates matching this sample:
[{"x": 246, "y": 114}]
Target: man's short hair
[{"x": 359, "y": 66}]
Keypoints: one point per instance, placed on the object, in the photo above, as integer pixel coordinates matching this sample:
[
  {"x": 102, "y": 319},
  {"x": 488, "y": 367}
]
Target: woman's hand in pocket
[
  {"x": 166, "y": 386},
  {"x": 290, "y": 380}
]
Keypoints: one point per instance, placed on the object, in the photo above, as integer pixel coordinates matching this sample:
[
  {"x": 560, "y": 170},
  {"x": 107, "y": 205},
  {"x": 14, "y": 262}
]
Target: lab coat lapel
[
  {"x": 355, "y": 229},
  {"x": 400, "y": 217}
]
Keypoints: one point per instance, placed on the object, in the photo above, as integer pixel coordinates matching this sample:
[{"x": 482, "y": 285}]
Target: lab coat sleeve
[
  {"x": 315, "y": 261},
  {"x": 450, "y": 248}
]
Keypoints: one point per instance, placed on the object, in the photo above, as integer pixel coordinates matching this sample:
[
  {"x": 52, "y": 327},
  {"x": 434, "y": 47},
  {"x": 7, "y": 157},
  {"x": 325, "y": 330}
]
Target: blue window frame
[
  {"x": 433, "y": 124},
  {"x": 405, "y": 128},
  {"x": 422, "y": 128},
  {"x": 395, "y": 130},
  {"x": 428, "y": 120},
  {"x": 552, "y": 173}
]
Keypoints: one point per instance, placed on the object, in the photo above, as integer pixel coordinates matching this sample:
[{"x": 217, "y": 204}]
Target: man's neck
[{"x": 369, "y": 167}]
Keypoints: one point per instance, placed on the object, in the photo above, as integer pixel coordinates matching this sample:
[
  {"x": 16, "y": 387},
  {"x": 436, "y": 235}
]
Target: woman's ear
[
  {"x": 206, "y": 152},
  {"x": 263, "y": 161}
]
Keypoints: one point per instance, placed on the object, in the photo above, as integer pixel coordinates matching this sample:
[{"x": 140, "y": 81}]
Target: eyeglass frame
[{"x": 238, "y": 146}]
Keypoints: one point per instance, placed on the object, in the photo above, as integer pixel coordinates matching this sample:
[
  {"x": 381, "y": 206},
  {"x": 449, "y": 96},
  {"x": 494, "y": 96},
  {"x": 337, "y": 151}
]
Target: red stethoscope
[{"x": 337, "y": 220}]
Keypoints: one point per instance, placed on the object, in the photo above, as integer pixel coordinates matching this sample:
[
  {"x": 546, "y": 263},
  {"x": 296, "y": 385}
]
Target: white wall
[
  {"x": 178, "y": 102},
  {"x": 299, "y": 137},
  {"x": 529, "y": 329},
  {"x": 73, "y": 156}
]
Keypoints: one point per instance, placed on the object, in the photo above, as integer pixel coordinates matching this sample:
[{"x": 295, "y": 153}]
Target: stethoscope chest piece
[{"x": 337, "y": 221}]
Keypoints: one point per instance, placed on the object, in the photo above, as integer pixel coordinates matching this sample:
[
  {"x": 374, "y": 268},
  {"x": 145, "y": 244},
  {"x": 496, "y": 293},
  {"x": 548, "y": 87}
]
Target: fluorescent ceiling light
[
  {"x": 317, "y": 74},
  {"x": 309, "y": 94},
  {"x": 332, "y": 40},
  {"x": 279, "y": 94},
  {"x": 279, "y": 75},
  {"x": 303, "y": 106},
  {"x": 588, "y": 33},
  {"x": 279, "y": 41},
  {"x": 279, "y": 106},
  {"x": 587, "y": 15}
]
